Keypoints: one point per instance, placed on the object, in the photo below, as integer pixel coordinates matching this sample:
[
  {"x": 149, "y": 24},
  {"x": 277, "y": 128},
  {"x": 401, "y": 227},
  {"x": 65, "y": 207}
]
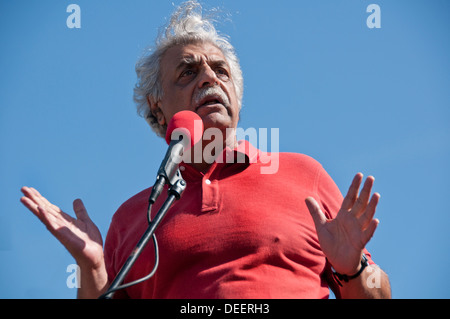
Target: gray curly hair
[{"x": 187, "y": 25}]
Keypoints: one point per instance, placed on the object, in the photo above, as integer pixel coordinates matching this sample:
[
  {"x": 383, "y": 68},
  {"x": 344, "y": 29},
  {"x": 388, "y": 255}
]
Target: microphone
[{"x": 184, "y": 130}]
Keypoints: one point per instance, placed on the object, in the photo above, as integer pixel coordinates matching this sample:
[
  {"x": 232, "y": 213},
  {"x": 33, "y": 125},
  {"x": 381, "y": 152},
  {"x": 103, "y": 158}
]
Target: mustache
[{"x": 214, "y": 92}]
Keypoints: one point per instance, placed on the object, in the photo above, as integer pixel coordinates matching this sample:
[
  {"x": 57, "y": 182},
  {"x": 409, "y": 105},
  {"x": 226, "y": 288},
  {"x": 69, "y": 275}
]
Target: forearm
[
  {"x": 93, "y": 282},
  {"x": 373, "y": 283}
]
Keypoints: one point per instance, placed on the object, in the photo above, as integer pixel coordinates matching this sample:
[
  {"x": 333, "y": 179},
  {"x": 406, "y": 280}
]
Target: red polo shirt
[{"x": 235, "y": 233}]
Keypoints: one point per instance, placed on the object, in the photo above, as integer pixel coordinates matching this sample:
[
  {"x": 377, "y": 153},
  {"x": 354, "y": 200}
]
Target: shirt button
[
  {"x": 182, "y": 168},
  {"x": 208, "y": 182}
]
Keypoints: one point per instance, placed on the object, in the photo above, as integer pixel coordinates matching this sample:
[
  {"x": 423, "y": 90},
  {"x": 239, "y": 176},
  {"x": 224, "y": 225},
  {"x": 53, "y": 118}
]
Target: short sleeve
[{"x": 110, "y": 250}]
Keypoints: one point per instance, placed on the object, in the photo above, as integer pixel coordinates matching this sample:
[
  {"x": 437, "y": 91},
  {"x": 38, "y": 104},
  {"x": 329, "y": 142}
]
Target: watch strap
[{"x": 340, "y": 277}]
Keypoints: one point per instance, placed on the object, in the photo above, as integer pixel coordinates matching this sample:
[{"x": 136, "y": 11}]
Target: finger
[
  {"x": 60, "y": 226},
  {"x": 80, "y": 210},
  {"x": 34, "y": 196},
  {"x": 30, "y": 204},
  {"x": 49, "y": 220},
  {"x": 27, "y": 193},
  {"x": 44, "y": 216},
  {"x": 42, "y": 200},
  {"x": 352, "y": 193},
  {"x": 369, "y": 231},
  {"x": 363, "y": 198},
  {"x": 368, "y": 214},
  {"x": 314, "y": 209},
  {"x": 34, "y": 201}
]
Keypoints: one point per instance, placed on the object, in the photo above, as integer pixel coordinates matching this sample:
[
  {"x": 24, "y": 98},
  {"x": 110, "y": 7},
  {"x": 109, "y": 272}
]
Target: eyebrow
[
  {"x": 187, "y": 61},
  {"x": 193, "y": 61}
]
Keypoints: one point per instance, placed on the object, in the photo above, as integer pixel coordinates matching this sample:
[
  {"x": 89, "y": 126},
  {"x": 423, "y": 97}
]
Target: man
[{"x": 235, "y": 233}]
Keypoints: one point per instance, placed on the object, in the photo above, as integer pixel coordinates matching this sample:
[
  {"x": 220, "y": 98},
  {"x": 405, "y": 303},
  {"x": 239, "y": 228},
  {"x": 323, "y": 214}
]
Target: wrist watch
[{"x": 339, "y": 277}]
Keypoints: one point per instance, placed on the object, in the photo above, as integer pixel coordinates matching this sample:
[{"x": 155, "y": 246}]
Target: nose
[{"x": 208, "y": 77}]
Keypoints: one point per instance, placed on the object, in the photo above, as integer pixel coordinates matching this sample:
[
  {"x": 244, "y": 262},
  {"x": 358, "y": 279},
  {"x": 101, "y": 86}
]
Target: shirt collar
[
  {"x": 245, "y": 150},
  {"x": 243, "y": 154}
]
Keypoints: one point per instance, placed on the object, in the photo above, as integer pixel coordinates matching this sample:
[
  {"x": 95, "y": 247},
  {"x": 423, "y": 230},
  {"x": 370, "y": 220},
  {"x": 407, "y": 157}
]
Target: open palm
[
  {"x": 343, "y": 238},
  {"x": 80, "y": 235}
]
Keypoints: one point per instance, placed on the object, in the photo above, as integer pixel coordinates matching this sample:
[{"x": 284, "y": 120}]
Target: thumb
[
  {"x": 80, "y": 210},
  {"x": 314, "y": 209}
]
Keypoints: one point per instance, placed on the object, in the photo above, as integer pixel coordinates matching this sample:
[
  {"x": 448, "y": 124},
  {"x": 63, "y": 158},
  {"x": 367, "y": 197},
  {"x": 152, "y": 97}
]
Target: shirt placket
[{"x": 211, "y": 189}]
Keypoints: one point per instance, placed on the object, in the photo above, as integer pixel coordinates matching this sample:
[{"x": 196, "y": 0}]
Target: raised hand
[
  {"x": 80, "y": 236},
  {"x": 343, "y": 238}
]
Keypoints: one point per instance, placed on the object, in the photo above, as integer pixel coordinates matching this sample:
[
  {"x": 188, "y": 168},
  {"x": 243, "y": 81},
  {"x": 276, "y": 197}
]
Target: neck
[{"x": 210, "y": 149}]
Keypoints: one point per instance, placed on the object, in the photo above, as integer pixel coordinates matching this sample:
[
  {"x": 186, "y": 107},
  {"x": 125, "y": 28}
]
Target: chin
[
  {"x": 211, "y": 117},
  {"x": 215, "y": 123}
]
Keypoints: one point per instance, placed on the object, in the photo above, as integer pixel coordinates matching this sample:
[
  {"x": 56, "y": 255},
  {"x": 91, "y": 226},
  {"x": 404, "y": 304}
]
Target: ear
[{"x": 156, "y": 110}]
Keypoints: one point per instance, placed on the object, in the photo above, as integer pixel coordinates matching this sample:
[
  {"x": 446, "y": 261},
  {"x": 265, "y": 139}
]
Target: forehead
[{"x": 190, "y": 53}]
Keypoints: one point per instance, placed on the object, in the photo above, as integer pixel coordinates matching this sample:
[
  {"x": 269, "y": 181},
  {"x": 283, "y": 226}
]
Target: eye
[
  {"x": 222, "y": 72},
  {"x": 187, "y": 72}
]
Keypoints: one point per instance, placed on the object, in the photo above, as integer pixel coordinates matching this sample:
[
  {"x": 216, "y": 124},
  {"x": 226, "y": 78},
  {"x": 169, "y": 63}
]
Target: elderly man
[{"x": 235, "y": 233}]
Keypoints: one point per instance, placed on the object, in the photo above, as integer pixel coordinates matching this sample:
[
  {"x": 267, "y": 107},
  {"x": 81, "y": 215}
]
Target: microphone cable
[{"x": 155, "y": 266}]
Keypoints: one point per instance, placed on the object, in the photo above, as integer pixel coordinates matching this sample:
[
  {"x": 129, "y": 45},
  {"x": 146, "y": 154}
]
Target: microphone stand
[{"x": 174, "y": 193}]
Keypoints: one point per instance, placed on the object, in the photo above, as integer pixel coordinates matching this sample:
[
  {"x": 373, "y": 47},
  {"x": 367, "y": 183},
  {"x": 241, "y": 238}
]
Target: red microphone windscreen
[{"x": 186, "y": 123}]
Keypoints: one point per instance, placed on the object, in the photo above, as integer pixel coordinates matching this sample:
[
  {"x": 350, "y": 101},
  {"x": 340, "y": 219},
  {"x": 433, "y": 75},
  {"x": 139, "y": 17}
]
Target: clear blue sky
[{"x": 354, "y": 98}]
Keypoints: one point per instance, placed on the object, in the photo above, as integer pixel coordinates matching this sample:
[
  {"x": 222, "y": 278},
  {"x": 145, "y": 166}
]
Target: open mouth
[{"x": 210, "y": 100}]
